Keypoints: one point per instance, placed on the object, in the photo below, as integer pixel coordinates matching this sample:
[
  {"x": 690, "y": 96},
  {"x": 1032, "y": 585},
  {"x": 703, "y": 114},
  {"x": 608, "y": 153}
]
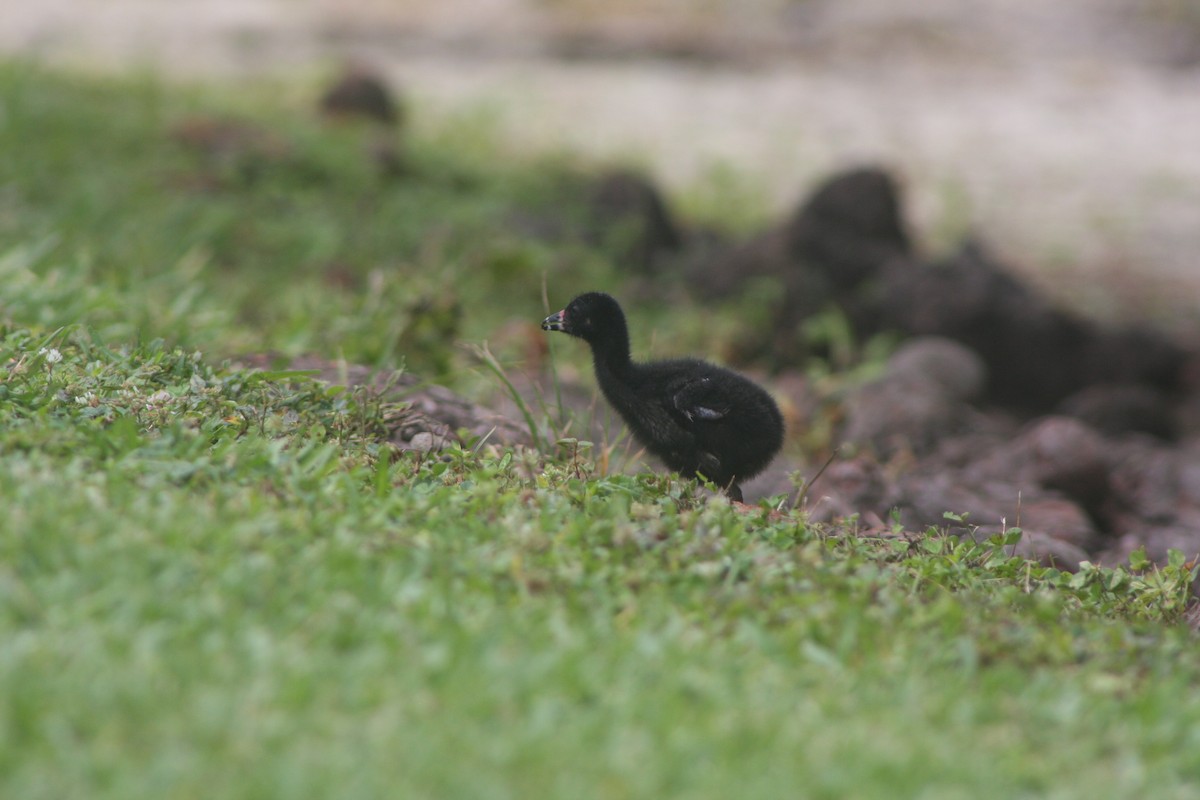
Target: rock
[
  {"x": 1159, "y": 541},
  {"x": 842, "y": 234},
  {"x": 1189, "y": 474},
  {"x": 729, "y": 270},
  {"x": 1058, "y": 453},
  {"x": 619, "y": 212},
  {"x": 849, "y": 226},
  {"x": 1145, "y": 481},
  {"x": 1031, "y": 350},
  {"x": 423, "y": 442},
  {"x": 1039, "y": 546},
  {"x": 1122, "y": 408},
  {"x": 925, "y": 499},
  {"x": 893, "y": 416},
  {"x": 1060, "y": 520},
  {"x": 957, "y": 453},
  {"x": 360, "y": 93},
  {"x": 629, "y": 215},
  {"x": 1187, "y": 410},
  {"x": 1036, "y": 355},
  {"x": 847, "y": 488},
  {"x": 799, "y": 398},
  {"x": 919, "y": 400},
  {"x": 955, "y": 371},
  {"x": 1069, "y": 457},
  {"x": 1134, "y": 355},
  {"x": 1050, "y": 551}
]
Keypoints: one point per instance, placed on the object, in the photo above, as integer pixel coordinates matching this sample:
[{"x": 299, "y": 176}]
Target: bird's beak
[{"x": 554, "y": 322}]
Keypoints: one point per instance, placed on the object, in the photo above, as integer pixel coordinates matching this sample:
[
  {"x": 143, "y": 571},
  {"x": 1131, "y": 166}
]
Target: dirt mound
[{"x": 1001, "y": 408}]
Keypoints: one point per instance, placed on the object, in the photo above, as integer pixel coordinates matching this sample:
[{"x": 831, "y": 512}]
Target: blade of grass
[{"x": 484, "y": 355}]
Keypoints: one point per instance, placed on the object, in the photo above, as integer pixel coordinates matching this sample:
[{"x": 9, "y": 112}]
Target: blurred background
[{"x": 1065, "y": 134}]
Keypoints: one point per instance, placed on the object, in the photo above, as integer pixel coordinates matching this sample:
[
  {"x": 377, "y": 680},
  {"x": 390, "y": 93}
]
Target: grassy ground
[{"x": 219, "y": 584}]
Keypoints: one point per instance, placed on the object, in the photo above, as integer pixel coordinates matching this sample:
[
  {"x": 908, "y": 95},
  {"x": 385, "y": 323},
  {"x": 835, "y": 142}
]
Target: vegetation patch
[{"x": 217, "y": 582}]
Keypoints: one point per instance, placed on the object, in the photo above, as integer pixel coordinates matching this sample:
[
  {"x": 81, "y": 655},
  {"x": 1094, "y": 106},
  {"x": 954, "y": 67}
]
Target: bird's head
[{"x": 589, "y": 316}]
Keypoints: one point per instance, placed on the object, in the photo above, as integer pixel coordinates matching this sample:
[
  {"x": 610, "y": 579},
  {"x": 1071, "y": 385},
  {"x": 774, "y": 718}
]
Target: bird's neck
[{"x": 611, "y": 355}]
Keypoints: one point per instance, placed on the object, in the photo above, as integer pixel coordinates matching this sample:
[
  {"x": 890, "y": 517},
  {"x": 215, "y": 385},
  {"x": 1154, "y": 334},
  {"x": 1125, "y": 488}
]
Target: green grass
[
  {"x": 215, "y": 583},
  {"x": 301, "y": 245}
]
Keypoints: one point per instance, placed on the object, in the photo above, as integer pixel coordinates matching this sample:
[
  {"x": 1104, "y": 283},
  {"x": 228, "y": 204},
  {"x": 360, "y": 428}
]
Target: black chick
[{"x": 700, "y": 419}]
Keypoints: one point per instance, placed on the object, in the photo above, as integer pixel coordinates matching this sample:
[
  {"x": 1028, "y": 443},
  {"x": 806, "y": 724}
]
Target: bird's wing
[{"x": 700, "y": 399}]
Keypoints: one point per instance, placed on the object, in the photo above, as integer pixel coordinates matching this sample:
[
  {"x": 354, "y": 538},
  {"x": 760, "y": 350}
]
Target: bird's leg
[{"x": 734, "y": 492}]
